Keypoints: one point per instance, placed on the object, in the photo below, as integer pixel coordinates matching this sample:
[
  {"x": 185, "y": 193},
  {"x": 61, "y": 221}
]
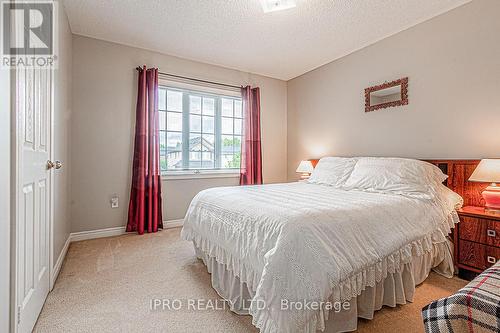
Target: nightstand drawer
[
  {"x": 480, "y": 230},
  {"x": 477, "y": 255}
]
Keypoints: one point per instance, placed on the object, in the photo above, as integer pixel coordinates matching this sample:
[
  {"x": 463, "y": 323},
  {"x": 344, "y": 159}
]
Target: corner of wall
[
  {"x": 62, "y": 141},
  {"x": 287, "y": 127}
]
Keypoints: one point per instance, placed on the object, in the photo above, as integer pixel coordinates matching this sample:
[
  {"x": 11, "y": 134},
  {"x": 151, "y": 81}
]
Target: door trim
[
  {"x": 52, "y": 268},
  {"x": 14, "y": 200}
]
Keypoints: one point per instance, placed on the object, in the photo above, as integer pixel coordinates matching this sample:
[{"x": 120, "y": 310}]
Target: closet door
[{"x": 33, "y": 192}]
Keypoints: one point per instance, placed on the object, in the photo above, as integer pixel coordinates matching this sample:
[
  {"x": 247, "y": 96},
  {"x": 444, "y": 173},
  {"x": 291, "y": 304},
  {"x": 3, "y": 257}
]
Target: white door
[{"x": 33, "y": 183}]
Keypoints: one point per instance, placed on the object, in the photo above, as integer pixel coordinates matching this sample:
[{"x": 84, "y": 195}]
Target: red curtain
[
  {"x": 251, "y": 155},
  {"x": 144, "y": 211}
]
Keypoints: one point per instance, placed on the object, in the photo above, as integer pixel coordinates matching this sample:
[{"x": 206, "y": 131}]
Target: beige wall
[
  {"x": 453, "y": 64},
  {"x": 5, "y": 222},
  {"x": 61, "y": 148},
  {"x": 104, "y": 98}
]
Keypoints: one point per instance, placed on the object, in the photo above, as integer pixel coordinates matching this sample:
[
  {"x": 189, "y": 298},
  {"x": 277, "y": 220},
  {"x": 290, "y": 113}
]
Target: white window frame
[{"x": 203, "y": 90}]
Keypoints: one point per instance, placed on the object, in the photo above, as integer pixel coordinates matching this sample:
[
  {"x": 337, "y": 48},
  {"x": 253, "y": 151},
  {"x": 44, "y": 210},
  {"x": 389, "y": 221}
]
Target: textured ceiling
[{"x": 237, "y": 34}]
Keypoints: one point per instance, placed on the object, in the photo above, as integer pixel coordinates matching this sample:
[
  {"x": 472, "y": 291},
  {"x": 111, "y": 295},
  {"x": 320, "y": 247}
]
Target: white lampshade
[
  {"x": 487, "y": 171},
  {"x": 305, "y": 167}
]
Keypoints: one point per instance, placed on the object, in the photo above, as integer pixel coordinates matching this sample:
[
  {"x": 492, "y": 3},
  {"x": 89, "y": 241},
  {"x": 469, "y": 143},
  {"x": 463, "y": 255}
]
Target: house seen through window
[{"x": 199, "y": 130}]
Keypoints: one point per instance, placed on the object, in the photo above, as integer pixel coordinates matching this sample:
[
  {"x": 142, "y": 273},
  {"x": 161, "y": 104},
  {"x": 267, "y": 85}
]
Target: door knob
[{"x": 56, "y": 165}]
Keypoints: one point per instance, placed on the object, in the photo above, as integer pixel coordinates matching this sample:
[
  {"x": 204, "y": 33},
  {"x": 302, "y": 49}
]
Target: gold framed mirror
[{"x": 389, "y": 94}]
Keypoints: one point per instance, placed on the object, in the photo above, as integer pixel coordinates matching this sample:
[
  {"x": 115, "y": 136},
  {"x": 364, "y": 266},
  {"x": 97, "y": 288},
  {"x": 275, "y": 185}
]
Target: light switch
[{"x": 114, "y": 201}]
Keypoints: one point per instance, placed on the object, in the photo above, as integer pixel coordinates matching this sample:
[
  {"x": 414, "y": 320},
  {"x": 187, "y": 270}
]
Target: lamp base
[{"x": 491, "y": 196}]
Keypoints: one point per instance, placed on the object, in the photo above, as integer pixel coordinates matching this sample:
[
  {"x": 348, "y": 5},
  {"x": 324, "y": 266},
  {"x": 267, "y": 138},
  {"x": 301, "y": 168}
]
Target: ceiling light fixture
[{"x": 275, "y": 5}]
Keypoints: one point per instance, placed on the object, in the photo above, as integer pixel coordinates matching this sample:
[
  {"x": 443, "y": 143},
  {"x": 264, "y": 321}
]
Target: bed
[{"x": 316, "y": 255}]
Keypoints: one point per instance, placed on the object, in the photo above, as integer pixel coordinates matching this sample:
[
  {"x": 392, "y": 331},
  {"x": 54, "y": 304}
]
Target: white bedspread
[{"x": 310, "y": 242}]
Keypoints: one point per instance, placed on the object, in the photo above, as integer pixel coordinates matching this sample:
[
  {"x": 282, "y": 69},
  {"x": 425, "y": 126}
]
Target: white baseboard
[
  {"x": 173, "y": 223},
  {"x": 57, "y": 267},
  {"x": 116, "y": 231},
  {"x": 99, "y": 233}
]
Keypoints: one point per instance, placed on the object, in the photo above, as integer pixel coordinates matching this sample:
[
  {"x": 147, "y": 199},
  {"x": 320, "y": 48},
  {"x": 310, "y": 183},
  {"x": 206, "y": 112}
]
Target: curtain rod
[{"x": 193, "y": 79}]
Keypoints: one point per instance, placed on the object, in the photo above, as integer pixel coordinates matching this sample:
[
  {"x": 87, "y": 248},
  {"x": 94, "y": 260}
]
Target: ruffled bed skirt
[{"x": 396, "y": 288}]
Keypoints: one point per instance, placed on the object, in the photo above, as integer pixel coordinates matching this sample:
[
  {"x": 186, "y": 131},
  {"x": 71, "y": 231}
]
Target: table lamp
[
  {"x": 305, "y": 168},
  {"x": 488, "y": 171}
]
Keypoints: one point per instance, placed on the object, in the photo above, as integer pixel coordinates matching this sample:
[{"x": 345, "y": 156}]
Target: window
[{"x": 199, "y": 130}]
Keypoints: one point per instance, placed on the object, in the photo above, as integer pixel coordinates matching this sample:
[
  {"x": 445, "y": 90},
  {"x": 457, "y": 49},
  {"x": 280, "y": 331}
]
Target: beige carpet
[{"x": 107, "y": 284}]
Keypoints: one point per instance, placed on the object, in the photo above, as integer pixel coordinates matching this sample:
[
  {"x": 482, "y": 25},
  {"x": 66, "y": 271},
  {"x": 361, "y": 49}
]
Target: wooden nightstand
[{"x": 478, "y": 239}]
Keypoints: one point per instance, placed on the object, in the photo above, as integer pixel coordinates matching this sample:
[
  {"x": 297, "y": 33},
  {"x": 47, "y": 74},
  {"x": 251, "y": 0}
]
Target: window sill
[{"x": 179, "y": 175}]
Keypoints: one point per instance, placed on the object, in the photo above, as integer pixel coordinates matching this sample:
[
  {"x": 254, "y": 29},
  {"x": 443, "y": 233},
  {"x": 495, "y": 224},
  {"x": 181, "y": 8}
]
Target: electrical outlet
[{"x": 114, "y": 201}]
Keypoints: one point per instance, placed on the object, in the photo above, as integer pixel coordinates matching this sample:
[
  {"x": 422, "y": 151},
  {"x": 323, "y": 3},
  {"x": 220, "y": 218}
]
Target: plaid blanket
[{"x": 474, "y": 308}]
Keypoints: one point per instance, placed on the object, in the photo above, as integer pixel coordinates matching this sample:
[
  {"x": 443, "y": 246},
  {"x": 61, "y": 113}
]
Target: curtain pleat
[
  {"x": 145, "y": 213},
  {"x": 251, "y": 155}
]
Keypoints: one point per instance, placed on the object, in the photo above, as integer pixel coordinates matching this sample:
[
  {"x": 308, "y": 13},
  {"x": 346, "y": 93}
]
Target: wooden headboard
[{"x": 458, "y": 172}]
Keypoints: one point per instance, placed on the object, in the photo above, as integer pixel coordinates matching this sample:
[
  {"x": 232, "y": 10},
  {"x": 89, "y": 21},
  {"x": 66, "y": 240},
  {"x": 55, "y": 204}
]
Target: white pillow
[
  {"x": 407, "y": 177},
  {"x": 333, "y": 171},
  {"x": 451, "y": 199}
]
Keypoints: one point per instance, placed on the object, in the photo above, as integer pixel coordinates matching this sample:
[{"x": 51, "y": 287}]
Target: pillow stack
[
  {"x": 332, "y": 171},
  {"x": 401, "y": 176}
]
